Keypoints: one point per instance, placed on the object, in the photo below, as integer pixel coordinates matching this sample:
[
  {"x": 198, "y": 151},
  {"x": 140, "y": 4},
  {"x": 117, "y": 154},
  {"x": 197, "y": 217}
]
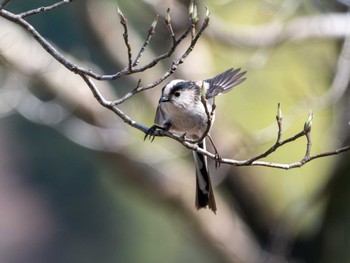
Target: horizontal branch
[
  {"x": 248, "y": 162},
  {"x": 254, "y": 161},
  {"x": 328, "y": 25}
]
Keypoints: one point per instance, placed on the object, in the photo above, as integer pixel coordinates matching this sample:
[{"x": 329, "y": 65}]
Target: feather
[
  {"x": 204, "y": 190},
  {"x": 224, "y": 82}
]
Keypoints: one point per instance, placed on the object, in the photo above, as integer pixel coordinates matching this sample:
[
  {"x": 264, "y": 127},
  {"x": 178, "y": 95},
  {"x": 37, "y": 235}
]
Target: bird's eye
[{"x": 177, "y": 94}]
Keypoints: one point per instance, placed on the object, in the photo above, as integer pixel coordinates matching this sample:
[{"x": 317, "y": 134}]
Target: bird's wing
[
  {"x": 160, "y": 117},
  {"x": 224, "y": 82}
]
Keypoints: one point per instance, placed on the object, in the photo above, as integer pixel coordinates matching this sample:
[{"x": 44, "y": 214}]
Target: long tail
[{"x": 204, "y": 191}]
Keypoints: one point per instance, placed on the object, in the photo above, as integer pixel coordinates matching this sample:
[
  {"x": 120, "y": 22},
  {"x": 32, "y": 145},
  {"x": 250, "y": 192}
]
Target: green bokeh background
[{"x": 100, "y": 217}]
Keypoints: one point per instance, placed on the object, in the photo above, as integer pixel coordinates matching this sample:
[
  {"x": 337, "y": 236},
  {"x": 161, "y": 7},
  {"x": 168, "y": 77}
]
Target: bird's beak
[{"x": 164, "y": 99}]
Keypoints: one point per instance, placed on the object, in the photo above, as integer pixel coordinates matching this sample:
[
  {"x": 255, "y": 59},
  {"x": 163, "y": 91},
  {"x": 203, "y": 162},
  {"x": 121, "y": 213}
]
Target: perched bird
[{"x": 181, "y": 111}]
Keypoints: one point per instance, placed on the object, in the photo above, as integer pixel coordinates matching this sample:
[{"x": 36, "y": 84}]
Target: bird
[{"x": 181, "y": 110}]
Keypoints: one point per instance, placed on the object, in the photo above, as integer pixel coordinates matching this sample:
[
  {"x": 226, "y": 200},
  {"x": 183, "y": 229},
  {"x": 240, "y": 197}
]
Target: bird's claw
[
  {"x": 151, "y": 133},
  {"x": 218, "y": 160},
  {"x": 183, "y": 136}
]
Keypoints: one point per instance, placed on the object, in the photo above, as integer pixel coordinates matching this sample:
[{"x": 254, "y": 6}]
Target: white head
[{"x": 181, "y": 93}]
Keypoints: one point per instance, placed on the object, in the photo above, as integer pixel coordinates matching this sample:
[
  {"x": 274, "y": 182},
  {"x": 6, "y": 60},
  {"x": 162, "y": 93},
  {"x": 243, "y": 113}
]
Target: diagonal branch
[
  {"x": 174, "y": 65},
  {"x": 151, "y": 32},
  {"x": 44, "y": 8},
  {"x": 18, "y": 19},
  {"x": 87, "y": 74},
  {"x": 4, "y": 3}
]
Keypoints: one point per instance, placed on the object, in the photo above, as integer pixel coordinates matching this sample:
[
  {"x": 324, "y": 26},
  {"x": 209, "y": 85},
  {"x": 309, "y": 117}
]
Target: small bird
[{"x": 181, "y": 111}]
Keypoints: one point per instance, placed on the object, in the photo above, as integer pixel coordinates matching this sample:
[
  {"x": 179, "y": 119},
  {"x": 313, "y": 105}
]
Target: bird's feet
[
  {"x": 218, "y": 160},
  {"x": 150, "y": 133}
]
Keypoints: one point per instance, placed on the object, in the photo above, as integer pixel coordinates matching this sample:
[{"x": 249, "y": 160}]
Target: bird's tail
[{"x": 204, "y": 191}]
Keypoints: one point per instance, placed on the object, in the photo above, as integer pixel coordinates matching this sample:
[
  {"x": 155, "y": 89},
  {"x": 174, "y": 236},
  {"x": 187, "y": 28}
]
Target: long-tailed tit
[{"x": 181, "y": 110}]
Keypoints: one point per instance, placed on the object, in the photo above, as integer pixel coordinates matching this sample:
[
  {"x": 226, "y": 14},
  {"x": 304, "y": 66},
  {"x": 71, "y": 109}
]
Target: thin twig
[
  {"x": 108, "y": 104},
  {"x": 89, "y": 72},
  {"x": 42, "y": 41},
  {"x": 193, "y": 17},
  {"x": 44, "y": 8},
  {"x": 151, "y": 32},
  {"x": 170, "y": 27},
  {"x": 5, "y": 2},
  {"x": 173, "y": 67},
  {"x": 308, "y": 145},
  {"x": 124, "y": 23},
  {"x": 321, "y": 26},
  {"x": 254, "y": 160}
]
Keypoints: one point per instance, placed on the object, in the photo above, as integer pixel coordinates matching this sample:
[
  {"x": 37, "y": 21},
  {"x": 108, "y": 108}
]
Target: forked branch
[
  {"x": 194, "y": 32},
  {"x": 254, "y": 161}
]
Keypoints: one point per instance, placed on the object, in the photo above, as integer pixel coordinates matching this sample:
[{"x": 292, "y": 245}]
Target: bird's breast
[{"x": 191, "y": 120}]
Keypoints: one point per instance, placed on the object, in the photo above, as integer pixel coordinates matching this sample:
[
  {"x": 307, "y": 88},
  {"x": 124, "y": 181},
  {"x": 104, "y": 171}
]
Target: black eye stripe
[
  {"x": 176, "y": 90},
  {"x": 178, "y": 86}
]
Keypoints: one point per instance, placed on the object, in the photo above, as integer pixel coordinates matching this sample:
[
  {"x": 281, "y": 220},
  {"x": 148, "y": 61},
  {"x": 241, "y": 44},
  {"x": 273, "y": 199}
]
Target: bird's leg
[
  {"x": 183, "y": 136},
  {"x": 218, "y": 157},
  {"x": 151, "y": 132}
]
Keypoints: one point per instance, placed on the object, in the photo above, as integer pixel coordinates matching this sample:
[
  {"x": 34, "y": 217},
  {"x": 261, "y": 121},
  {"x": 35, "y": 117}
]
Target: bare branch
[
  {"x": 174, "y": 65},
  {"x": 193, "y": 16},
  {"x": 333, "y": 94},
  {"x": 42, "y": 41},
  {"x": 170, "y": 27},
  {"x": 110, "y": 105},
  {"x": 330, "y": 25},
  {"x": 89, "y": 72},
  {"x": 254, "y": 160},
  {"x": 123, "y": 22},
  {"x": 44, "y": 8},
  {"x": 87, "y": 75},
  {"x": 151, "y": 32}
]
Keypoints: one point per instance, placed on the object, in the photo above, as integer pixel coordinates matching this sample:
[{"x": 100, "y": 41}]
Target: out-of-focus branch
[
  {"x": 335, "y": 92},
  {"x": 330, "y": 25}
]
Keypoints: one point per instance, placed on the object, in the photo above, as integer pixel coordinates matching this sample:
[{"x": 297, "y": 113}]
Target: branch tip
[
  {"x": 154, "y": 23},
  {"x": 279, "y": 115},
  {"x": 308, "y": 123},
  {"x": 123, "y": 19},
  {"x": 194, "y": 16},
  {"x": 203, "y": 92},
  {"x": 191, "y": 8},
  {"x": 168, "y": 18},
  {"x": 207, "y": 13}
]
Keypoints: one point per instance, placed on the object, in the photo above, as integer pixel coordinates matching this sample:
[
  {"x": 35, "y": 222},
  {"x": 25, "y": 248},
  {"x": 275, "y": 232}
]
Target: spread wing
[{"x": 224, "y": 82}]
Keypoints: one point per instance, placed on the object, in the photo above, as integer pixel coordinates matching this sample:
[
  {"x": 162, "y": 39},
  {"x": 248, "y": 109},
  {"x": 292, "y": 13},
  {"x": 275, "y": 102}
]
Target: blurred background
[{"x": 79, "y": 185}]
